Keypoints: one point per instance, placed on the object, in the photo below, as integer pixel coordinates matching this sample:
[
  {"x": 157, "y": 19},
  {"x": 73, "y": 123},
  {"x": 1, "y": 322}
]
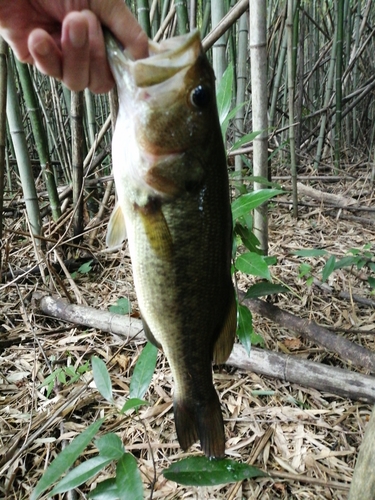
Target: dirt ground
[{"x": 309, "y": 438}]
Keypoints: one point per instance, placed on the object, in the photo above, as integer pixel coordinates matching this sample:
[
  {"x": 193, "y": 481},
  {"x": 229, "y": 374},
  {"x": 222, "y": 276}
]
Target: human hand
[{"x": 64, "y": 39}]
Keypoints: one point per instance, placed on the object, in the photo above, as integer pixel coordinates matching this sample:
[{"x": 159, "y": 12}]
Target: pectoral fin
[
  {"x": 116, "y": 230},
  {"x": 224, "y": 344},
  {"x": 156, "y": 228}
]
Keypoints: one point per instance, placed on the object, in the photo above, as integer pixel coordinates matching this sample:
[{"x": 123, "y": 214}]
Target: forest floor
[{"x": 310, "y": 437}]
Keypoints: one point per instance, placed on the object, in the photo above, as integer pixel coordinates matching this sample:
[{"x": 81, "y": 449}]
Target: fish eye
[{"x": 200, "y": 96}]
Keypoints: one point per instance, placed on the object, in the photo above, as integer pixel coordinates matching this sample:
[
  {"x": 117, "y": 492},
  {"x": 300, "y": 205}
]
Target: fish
[{"x": 173, "y": 206}]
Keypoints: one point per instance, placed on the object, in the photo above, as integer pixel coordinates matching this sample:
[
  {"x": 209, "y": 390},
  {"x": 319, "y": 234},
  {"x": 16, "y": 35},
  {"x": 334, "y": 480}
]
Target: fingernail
[{"x": 78, "y": 37}]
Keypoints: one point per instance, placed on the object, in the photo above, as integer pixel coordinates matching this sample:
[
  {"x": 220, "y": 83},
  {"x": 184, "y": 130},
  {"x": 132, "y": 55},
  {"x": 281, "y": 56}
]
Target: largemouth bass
[{"x": 170, "y": 173}]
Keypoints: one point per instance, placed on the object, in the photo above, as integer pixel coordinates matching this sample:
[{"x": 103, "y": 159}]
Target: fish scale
[{"x": 171, "y": 179}]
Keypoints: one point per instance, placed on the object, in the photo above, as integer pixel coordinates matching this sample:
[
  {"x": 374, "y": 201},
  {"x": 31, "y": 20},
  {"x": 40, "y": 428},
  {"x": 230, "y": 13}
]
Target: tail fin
[{"x": 195, "y": 420}]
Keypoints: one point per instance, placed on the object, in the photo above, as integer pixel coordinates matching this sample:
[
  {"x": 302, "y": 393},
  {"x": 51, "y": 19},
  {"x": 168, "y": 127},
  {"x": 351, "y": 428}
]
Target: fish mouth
[{"x": 165, "y": 60}]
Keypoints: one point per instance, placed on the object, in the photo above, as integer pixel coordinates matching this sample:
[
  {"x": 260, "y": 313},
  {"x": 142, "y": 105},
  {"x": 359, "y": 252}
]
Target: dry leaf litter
[{"x": 308, "y": 439}]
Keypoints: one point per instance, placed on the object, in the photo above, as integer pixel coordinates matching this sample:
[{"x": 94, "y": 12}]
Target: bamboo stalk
[
  {"x": 259, "y": 97},
  {"x": 3, "y": 133},
  {"x": 18, "y": 136},
  {"x": 77, "y": 163}
]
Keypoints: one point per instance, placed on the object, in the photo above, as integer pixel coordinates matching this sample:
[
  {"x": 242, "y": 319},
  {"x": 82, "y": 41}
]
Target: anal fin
[{"x": 224, "y": 343}]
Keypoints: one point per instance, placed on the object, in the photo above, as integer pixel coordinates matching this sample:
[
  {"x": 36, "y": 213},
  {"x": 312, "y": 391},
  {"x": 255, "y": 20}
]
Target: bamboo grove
[{"x": 55, "y": 164}]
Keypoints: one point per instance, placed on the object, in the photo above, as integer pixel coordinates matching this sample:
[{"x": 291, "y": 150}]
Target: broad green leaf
[
  {"x": 106, "y": 490},
  {"x": 228, "y": 118},
  {"x": 245, "y": 327},
  {"x": 347, "y": 261},
  {"x": 80, "y": 474},
  {"x": 224, "y": 93},
  {"x": 248, "y": 238},
  {"x": 244, "y": 140},
  {"x": 122, "y": 306},
  {"x": 201, "y": 471},
  {"x": 61, "y": 377},
  {"x": 70, "y": 371},
  {"x": 242, "y": 205},
  {"x": 128, "y": 479},
  {"x": 110, "y": 446},
  {"x": 143, "y": 371},
  {"x": 66, "y": 459},
  {"x": 257, "y": 339},
  {"x": 371, "y": 281},
  {"x": 264, "y": 288},
  {"x": 85, "y": 268},
  {"x": 101, "y": 378},
  {"x": 361, "y": 263},
  {"x": 328, "y": 268},
  {"x": 310, "y": 252},
  {"x": 371, "y": 266},
  {"x": 133, "y": 403},
  {"x": 303, "y": 270},
  {"x": 253, "y": 263}
]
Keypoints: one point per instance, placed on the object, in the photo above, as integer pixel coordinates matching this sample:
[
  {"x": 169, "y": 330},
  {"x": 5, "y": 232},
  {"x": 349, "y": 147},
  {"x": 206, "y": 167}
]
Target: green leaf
[
  {"x": 371, "y": 281},
  {"x": 244, "y": 140},
  {"x": 80, "y": 474},
  {"x": 347, "y": 261},
  {"x": 245, "y": 327},
  {"x": 242, "y": 205},
  {"x": 101, "y": 378},
  {"x": 328, "y": 268},
  {"x": 310, "y": 281},
  {"x": 122, "y": 306},
  {"x": 230, "y": 115},
  {"x": 66, "y": 459},
  {"x": 264, "y": 288},
  {"x": 224, "y": 93},
  {"x": 110, "y": 446},
  {"x": 128, "y": 479},
  {"x": 133, "y": 403},
  {"x": 303, "y": 270},
  {"x": 310, "y": 252},
  {"x": 85, "y": 268},
  {"x": 201, "y": 471},
  {"x": 143, "y": 371},
  {"x": 253, "y": 263},
  {"x": 257, "y": 339},
  {"x": 106, "y": 490}
]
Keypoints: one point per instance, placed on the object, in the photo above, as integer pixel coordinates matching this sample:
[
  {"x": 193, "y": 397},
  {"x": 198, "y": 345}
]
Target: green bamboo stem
[
  {"x": 40, "y": 136},
  {"x": 291, "y": 72},
  {"x": 18, "y": 136},
  {"x": 143, "y": 12},
  {"x": 327, "y": 98},
  {"x": 242, "y": 77},
  {"x": 259, "y": 97},
  {"x": 219, "y": 62},
  {"x": 182, "y": 17},
  {"x": 339, "y": 5}
]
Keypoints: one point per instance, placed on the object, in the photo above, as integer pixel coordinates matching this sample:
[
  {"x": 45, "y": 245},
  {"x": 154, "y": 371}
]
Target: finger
[
  {"x": 75, "y": 51},
  {"x": 100, "y": 76},
  {"x": 117, "y": 17},
  {"x": 44, "y": 53}
]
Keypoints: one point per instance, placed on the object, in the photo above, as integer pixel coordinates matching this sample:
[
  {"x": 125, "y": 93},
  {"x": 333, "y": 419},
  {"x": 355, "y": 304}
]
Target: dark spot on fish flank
[
  {"x": 192, "y": 186},
  {"x": 152, "y": 206}
]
